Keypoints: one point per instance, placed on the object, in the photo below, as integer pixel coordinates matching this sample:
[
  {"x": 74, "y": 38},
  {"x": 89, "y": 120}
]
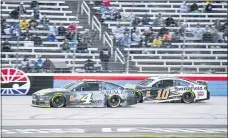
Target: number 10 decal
[{"x": 163, "y": 94}]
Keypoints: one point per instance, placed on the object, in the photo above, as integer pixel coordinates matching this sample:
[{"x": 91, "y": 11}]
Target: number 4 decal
[
  {"x": 87, "y": 98},
  {"x": 162, "y": 94}
]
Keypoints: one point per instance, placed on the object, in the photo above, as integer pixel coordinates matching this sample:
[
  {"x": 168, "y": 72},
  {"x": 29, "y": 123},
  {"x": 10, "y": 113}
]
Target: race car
[
  {"x": 172, "y": 89},
  {"x": 86, "y": 93}
]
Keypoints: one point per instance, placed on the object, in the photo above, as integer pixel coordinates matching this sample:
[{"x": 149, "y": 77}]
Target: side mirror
[{"x": 82, "y": 89}]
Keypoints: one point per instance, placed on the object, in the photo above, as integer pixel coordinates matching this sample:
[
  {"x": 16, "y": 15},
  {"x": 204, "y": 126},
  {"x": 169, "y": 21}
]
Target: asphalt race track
[{"x": 20, "y": 119}]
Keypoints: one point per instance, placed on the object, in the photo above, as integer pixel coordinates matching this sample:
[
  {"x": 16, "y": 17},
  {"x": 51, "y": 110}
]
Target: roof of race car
[
  {"x": 78, "y": 82},
  {"x": 162, "y": 77},
  {"x": 168, "y": 77}
]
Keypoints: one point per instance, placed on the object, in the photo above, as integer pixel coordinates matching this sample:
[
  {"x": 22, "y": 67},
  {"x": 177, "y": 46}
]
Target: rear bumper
[{"x": 132, "y": 100}]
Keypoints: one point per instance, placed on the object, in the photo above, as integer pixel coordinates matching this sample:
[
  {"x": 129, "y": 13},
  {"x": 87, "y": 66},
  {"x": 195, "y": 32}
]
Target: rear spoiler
[{"x": 201, "y": 82}]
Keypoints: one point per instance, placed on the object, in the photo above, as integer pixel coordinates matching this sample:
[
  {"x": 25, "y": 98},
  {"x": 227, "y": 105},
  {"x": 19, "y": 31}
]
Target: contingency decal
[{"x": 14, "y": 82}]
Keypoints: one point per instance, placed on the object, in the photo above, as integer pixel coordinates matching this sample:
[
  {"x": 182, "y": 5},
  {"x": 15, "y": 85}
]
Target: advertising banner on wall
[{"x": 16, "y": 82}]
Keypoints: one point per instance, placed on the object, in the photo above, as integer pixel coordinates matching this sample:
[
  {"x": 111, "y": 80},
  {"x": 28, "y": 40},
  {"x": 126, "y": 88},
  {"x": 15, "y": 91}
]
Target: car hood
[{"x": 49, "y": 90}]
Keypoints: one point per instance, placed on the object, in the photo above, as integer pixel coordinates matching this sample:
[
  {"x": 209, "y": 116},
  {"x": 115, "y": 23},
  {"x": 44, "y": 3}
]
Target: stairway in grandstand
[
  {"x": 198, "y": 57},
  {"x": 114, "y": 66}
]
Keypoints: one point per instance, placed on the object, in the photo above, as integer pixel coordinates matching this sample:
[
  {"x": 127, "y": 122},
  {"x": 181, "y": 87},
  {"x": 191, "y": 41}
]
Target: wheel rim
[
  {"x": 188, "y": 97},
  {"x": 114, "y": 101},
  {"x": 58, "y": 101}
]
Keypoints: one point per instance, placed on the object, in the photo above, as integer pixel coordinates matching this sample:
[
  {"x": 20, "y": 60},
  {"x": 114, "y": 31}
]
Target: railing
[
  {"x": 148, "y": 4},
  {"x": 96, "y": 23},
  {"x": 157, "y": 50},
  {"x": 119, "y": 56},
  {"x": 187, "y": 62},
  {"x": 85, "y": 8},
  {"x": 107, "y": 39},
  {"x": 171, "y": 68}
]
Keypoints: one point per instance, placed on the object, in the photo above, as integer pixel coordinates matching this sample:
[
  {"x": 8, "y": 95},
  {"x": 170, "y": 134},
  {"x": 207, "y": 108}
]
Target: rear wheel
[
  {"x": 58, "y": 101},
  {"x": 188, "y": 97},
  {"x": 114, "y": 101}
]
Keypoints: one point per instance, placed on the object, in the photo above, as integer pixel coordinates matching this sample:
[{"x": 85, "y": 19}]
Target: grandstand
[{"x": 192, "y": 43}]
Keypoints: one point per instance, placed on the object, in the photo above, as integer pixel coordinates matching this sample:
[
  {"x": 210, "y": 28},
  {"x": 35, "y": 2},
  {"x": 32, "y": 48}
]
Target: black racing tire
[
  {"x": 208, "y": 95},
  {"x": 114, "y": 101},
  {"x": 58, "y": 101},
  {"x": 188, "y": 97},
  {"x": 139, "y": 96}
]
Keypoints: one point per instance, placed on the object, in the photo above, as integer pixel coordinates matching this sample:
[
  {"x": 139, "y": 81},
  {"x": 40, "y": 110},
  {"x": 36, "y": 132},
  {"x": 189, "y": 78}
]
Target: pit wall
[{"x": 217, "y": 84}]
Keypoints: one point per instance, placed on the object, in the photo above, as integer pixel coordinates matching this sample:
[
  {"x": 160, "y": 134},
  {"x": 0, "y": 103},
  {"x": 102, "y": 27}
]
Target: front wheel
[
  {"x": 58, "y": 101},
  {"x": 188, "y": 97},
  {"x": 114, "y": 101}
]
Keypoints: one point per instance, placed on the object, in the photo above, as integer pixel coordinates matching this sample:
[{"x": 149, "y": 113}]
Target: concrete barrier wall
[
  {"x": 217, "y": 84},
  {"x": 15, "y": 82}
]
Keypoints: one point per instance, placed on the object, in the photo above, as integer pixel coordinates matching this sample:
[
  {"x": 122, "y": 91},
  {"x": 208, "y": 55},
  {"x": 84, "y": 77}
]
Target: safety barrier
[{"x": 32, "y": 82}]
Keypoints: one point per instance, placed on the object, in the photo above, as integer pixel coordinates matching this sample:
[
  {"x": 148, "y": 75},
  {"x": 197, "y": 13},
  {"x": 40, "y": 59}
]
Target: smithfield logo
[{"x": 14, "y": 82}]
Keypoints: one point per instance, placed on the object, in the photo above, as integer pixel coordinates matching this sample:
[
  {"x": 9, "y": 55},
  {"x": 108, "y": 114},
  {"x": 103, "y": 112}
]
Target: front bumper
[
  {"x": 208, "y": 97},
  {"x": 36, "y": 103}
]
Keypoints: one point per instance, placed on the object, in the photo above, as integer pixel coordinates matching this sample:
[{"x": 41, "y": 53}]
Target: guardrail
[
  {"x": 96, "y": 23},
  {"x": 85, "y": 8},
  {"x": 107, "y": 39},
  {"x": 119, "y": 56},
  {"x": 155, "y": 3}
]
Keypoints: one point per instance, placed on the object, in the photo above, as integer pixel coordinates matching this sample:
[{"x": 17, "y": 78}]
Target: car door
[
  {"x": 160, "y": 89},
  {"x": 86, "y": 93},
  {"x": 112, "y": 89},
  {"x": 180, "y": 86}
]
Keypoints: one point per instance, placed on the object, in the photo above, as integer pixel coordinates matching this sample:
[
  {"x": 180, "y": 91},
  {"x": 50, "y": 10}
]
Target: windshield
[
  {"x": 190, "y": 81},
  {"x": 146, "y": 82},
  {"x": 72, "y": 85}
]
